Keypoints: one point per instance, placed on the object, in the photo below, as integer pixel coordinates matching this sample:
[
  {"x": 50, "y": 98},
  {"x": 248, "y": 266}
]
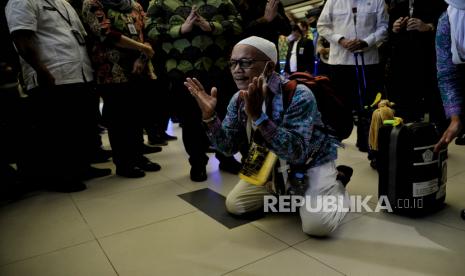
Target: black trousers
[
  {"x": 156, "y": 104},
  {"x": 412, "y": 85},
  {"x": 193, "y": 131},
  {"x": 346, "y": 84},
  {"x": 9, "y": 122},
  {"x": 122, "y": 115},
  {"x": 58, "y": 132}
]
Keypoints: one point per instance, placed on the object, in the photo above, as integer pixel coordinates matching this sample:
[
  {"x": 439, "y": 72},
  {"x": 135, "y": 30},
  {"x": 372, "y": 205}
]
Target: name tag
[
  {"x": 301, "y": 50},
  {"x": 132, "y": 29}
]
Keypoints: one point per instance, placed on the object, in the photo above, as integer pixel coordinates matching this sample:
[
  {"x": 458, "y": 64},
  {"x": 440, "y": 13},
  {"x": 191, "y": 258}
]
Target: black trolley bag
[{"x": 411, "y": 175}]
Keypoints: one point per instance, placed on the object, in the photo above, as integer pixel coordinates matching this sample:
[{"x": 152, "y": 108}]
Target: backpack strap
[{"x": 288, "y": 92}]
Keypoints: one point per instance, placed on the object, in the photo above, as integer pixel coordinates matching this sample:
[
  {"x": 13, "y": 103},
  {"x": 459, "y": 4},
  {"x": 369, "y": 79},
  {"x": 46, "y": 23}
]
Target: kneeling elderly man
[{"x": 295, "y": 133}]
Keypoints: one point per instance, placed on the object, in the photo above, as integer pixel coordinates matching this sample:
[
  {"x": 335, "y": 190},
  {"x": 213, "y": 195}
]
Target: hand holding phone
[{"x": 256, "y": 92}]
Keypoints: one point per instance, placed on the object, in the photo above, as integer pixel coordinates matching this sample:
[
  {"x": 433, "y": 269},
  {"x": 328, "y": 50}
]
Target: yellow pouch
[{"x": 258, "y": 165}]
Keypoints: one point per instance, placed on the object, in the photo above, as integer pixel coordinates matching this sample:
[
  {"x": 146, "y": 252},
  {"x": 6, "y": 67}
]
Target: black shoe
[
  {"x": 460, "y": 141},
  {"x": 373, "y": 164},
  {"x": 198, "y": 173},
  {"x": 147, "y": 149},
  {"x": 69, "y": 186},
  {"x": 147, "y": 165},
  {"x": 175, "y": 120},
  {"x": 211, "y": 149},
  {"x": 362, "y": 148},
  {"x": 130, "y": 172},
  {"x": 230, "y": 165},
  {"x": 168, "y": 137},
  {"x": 101, "y": 156},
  {"x": 101, "y": 129},
  {"x": 92, "y": 172},
  {"x": 344, "y": 173},
  {"x": 157, "y": 141}
]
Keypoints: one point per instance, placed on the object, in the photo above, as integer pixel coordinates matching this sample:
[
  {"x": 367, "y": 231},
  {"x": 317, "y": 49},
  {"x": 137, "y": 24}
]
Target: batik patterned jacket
[
  {"x": 291, "y": 133},
  {"x": 451, "y": 77},
  {"x": 112, "y": 64},
  {"x": 198, "y": 50}
]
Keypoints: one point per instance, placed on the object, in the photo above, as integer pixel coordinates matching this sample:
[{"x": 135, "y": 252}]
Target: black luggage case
[{"x": 411, "y": 175}]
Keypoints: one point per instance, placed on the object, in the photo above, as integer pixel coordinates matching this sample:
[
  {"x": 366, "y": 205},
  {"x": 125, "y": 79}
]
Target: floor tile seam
[
  {"x": 256, "y": 261},
  {"x": 450, "y": 176},
  {"x": 146, "y": 225},
  {"x": 269, "y": 234},
  {"x": 447, "y": 225},
  {"x": 456, "y": 175},
  {"x": 185, "y": 187},
  {"x": 176, "y": 181},
  {"x": 47, "y": 252},
  {"x": 263, "y": 230},
  {"x": 319, "y": 261},
  {"x": 89, "y": 227},
  {"x": 349, "y": 221},
  {"x": 108, "y": 257},
  {"x": 120, "y": 192},
  {"x": 372, "y": 215}
]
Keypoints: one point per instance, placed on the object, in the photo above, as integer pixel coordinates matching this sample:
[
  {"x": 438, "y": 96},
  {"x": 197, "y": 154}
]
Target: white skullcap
[{"x": 265, "y": 46}]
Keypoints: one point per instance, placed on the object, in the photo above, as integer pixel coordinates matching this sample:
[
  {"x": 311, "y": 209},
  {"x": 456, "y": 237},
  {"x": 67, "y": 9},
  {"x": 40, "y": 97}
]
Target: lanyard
[
  {"x": 126, "y": 18},
  {"x": 410, "y": 7},
  {"x": 67, "y": 19}
]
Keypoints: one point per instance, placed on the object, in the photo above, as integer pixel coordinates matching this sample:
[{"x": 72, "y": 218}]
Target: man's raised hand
[
  {"x": 254, "y": 97},
  {"x": 207, "y": 103}
]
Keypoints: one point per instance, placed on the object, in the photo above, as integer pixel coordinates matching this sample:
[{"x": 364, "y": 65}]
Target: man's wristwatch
[{"x": 209, "y": 120}]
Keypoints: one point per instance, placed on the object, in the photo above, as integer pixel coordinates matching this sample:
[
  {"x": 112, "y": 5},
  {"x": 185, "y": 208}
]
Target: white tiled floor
[{"x": 136, "y": 227}]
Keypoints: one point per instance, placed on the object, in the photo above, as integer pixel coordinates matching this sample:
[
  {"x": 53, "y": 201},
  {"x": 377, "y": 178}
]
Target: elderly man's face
[{"x": 246, "y": 63}]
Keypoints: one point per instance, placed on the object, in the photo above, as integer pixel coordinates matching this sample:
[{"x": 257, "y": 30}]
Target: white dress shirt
[
  {"x": 293, "y": 59},
  {"x": 58, "y": 48},
  {"x": 337, "y": 21}
]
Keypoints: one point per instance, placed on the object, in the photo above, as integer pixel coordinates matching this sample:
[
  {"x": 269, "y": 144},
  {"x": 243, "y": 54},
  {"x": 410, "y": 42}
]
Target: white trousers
[{"x": 246, "y": 197}]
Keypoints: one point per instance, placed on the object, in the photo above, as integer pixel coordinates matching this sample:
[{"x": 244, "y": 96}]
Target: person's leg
[
  {"x": 152, "y": 101},
  {"x": 166, "y": 108},
  {"x": 54, "y": 141},
  {"x": 117, "y": 117},
  {"x": 344, "y": 80},
  {"x": 98, "y": 154},
  {"x": 345, "y": 84},
  {"x": 194, "y": 137},
  {"x": 373, "y": 77},
  {"x": 226, "y": 88},
  {"x": 81, "y": 123},
  {"x": 323, "y": 182},
  {"x": 135, "y": 120},
  {"x": 81, "y": 129},
  {"x": 9, "y": 123},
  {"x": 245, "y": 198}
]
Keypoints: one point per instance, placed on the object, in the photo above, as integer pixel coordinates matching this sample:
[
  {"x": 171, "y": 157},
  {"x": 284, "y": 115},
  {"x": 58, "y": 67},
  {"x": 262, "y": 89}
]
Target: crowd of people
[{"x": 152, "y": 61}]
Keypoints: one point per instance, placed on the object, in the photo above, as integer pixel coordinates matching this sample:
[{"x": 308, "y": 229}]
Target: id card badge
[
  {"x": 132, "y": 29},
  {"x": 301, "y": 50},
  {"x": 258, "y": 165}
]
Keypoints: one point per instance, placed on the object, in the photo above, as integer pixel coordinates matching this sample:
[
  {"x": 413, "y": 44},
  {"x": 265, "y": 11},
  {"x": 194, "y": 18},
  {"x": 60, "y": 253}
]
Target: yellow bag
[{"x": 258, "y": 165}]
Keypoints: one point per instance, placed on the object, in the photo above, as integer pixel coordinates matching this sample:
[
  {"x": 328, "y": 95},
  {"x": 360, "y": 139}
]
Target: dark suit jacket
[{"x": 305, "y": 56}]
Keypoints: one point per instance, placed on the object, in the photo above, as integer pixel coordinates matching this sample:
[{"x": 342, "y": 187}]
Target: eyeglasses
[{"x": 244, "y": 63}]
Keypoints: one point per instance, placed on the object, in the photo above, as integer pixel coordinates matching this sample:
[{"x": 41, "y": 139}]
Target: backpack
[{"x": 335, "y": 115}]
